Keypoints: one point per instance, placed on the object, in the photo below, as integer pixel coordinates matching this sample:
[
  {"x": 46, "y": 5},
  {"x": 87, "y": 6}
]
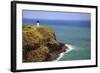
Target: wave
[{"x": 62, "y": 54}]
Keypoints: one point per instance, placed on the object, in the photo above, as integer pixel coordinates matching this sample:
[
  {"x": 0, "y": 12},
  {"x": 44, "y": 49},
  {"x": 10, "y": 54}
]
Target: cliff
[{"x": 40, "y": 44}]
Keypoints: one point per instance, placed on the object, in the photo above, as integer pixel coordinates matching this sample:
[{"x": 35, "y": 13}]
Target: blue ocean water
[{"x": 73, "y": 32}]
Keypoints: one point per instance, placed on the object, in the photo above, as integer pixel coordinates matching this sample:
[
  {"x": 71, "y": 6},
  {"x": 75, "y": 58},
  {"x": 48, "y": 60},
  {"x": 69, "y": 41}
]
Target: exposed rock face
[
  {"x": 40, "y": 44},
  {"x": 37, "y": 55}
]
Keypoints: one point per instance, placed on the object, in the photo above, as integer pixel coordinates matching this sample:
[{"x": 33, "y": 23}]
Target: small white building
[{"x": 38, "y": 23}]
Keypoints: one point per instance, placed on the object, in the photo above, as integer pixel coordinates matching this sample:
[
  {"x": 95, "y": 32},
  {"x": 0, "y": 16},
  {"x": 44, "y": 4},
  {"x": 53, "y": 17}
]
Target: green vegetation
[
  {"x": 40, "y": 44},
  {"x": 35, "y": 40}
]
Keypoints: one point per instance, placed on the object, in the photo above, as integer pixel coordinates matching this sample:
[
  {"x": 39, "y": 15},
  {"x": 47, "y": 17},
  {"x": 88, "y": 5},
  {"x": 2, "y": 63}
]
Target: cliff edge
[{"x": 40, "y": 44}]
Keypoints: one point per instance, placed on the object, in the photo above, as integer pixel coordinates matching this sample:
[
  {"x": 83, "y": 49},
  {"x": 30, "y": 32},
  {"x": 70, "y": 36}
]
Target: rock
[
  {"x": 52, "y": 56},
  {"x": 37, "y": 55},
  {"x": 40, "y": 44}
]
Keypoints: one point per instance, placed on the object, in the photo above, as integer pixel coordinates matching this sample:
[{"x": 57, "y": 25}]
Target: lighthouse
[{"x": 38, "y": 23}]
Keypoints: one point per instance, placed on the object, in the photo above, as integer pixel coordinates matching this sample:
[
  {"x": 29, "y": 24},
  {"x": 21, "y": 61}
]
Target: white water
[{"x": 70, "y": 47}]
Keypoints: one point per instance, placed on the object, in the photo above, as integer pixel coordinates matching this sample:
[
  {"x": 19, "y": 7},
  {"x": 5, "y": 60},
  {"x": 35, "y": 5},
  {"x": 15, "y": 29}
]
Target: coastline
[{"x": 62, "y": 54}]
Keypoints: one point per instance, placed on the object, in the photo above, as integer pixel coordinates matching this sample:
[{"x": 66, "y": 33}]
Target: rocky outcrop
[{"x": 40, "y": 44}]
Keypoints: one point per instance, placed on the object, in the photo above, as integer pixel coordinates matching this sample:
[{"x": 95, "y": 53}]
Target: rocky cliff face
[{"x": 40, "y": 44}]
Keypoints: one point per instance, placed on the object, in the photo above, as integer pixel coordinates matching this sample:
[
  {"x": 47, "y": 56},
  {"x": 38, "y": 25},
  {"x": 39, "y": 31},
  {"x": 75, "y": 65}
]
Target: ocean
[{"x": 73, "y": 32}]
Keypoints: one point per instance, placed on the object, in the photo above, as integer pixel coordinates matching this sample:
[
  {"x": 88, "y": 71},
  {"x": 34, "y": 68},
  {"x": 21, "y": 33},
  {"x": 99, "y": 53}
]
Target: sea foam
[{"x": 70, "y": 47}]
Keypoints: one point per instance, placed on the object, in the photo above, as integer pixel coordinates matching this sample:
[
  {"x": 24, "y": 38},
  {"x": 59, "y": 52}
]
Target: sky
[{"x": 51, "y": 15}]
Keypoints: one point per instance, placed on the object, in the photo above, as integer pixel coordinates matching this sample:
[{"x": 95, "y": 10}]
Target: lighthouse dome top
[{"x": 37, "y": 21}]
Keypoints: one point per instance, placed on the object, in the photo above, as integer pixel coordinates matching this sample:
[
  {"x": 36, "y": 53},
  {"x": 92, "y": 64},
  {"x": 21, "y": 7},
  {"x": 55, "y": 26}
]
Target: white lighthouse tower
[{"x": 38, "y": 23}]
